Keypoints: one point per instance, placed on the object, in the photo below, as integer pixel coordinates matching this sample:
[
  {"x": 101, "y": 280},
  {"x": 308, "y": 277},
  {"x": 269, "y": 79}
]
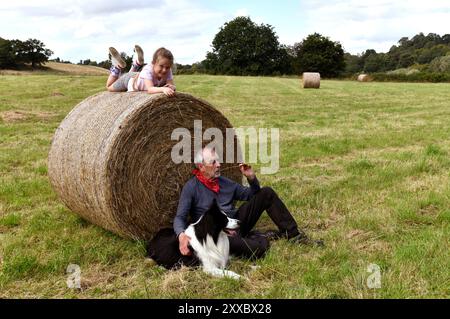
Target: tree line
[
  {"x": 423, "y": 52},
  {"x": 242, "y": 47}
]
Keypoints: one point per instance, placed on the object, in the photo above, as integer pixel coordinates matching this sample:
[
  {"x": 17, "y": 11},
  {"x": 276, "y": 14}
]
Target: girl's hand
[
  {"x": 171, "y": 86},
  {"x": 168, "y": 91}
]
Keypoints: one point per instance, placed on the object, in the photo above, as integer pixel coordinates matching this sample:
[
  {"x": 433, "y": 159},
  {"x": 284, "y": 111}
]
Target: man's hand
[
  {"x": 247, "y": 171},
  {"x": 184, "y": 242}
]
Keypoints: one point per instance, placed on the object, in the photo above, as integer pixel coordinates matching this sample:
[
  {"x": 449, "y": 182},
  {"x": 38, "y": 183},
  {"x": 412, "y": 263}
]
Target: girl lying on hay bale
[{"x": 153, "y": 78}]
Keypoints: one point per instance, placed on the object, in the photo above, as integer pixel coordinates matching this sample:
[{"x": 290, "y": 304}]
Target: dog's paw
[
  {"x": 217, "y": 272},
  {"x": 232, "y": 275}
]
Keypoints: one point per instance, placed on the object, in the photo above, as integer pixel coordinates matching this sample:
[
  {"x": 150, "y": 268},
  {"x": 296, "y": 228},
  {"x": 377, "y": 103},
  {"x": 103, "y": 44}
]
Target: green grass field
[{"x": 365, "y": 166}]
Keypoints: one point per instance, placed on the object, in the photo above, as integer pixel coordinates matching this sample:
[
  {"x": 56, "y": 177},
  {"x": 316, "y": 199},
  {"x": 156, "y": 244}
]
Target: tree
[
  {"x": 211, "y": 63},
  {"x": 352, "y": 64},
  {"x": 317, "y": 53},
  {"x": 404, "y": 42},
  {"x": 406, "y": 60},
  {"x": 31, "y": 51},
  {"x": 84, "y": 62},
  {"x": 7, "y": 58},
  {"x": 105, "y": 64},
  {"x": 364, "y": 56},
  {"x": 284, "y": 61},
  {"x": 375, "y": 62},
  {"x": 242, "y": 47},
  {"x": 441, "y": 64},
  {"x": 446, "y": 39}
]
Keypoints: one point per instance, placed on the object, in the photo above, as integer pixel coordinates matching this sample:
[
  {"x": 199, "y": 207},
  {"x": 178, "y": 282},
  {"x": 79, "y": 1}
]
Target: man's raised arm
[{"x": 245, "y": 193}]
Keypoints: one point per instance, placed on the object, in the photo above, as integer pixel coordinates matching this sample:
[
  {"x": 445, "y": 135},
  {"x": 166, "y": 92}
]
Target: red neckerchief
[{"x": 212, "y": 184}]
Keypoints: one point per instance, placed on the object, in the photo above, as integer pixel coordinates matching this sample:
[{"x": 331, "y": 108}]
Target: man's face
[{"x": 211, "y": 166}]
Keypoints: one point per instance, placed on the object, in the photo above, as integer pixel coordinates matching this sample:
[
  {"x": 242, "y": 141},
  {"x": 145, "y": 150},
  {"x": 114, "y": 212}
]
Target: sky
[{"x": 84, "y": 29}]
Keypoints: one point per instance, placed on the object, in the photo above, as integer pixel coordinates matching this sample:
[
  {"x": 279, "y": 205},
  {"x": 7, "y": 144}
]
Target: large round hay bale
[
  {"x": 110, "y": 159},
  {"x": 311, "y": 80},
  {"x": 363, "y": 78}
]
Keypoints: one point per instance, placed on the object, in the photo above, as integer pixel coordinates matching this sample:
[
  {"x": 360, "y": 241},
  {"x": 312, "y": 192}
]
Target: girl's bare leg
[
  {"x": 111, "y": 80},
  {"x": 114, "y": 74}
]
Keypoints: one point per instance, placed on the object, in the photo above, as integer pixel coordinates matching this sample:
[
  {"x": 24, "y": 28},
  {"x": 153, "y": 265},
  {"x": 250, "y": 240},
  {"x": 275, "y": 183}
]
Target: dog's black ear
[
  {"x": 214, "y": 205},
  {"x": 214, "y": 209}
]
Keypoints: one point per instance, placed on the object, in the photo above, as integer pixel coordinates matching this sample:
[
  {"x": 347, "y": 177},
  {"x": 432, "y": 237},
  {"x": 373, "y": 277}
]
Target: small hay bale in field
[
  {"x": 110, "y": 159},
  {"x": 311, "y": 80},
  {"x": 363, "y": 78}
]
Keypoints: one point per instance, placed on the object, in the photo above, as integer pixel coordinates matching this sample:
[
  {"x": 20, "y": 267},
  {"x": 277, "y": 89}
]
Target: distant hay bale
[
  {"x": 363, "y": 78},
  {"x": 311, "y": 80},
  {"x": 110, "y": 159}
]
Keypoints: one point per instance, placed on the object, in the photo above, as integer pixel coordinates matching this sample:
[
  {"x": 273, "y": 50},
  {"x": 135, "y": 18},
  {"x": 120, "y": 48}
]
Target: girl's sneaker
[
  {"x": 138, "y": 60},
  {"x": 116, "y": 58}
]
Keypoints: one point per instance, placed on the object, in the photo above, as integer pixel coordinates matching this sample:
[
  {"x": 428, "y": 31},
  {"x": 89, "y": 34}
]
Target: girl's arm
[{"x": 152, "y": 90}]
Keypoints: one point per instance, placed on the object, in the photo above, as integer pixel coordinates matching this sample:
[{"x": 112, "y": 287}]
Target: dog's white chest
[{"x": 210, "y": 253}]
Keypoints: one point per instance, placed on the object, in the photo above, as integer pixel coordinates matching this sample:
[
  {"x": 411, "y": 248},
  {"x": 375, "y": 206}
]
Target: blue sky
[{"x": 82, "y": 29}]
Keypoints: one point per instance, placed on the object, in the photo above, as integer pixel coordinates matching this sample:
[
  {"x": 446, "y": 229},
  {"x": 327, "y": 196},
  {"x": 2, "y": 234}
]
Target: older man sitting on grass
[{"x": 207, "y": 184}]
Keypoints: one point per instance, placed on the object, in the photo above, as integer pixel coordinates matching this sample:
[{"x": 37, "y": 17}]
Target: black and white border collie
[{"x": 209, "y": 243}]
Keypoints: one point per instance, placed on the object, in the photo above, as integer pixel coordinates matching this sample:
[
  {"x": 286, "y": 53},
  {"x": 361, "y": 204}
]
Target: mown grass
[{"x": 365, "y": 166}]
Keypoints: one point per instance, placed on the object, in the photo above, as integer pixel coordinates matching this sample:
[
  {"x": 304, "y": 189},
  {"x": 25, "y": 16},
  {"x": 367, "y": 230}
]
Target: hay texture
[
  {"x": 311, "y": 80},
  {"x": 363, "y": 78},
  {"x": 110, "y": 159}
]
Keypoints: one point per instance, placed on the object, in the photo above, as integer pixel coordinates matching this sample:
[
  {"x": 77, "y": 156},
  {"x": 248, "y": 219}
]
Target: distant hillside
[
  {"x": 60, "y": 68},
  {"x": 76, "y": 69},
  {"x": 429, "y": 53}
]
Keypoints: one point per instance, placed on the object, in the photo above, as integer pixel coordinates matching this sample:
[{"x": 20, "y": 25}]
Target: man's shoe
[
  {"x": 305, "y": 240},
  {"x": 299, "y": 238},
  {"x": 116, "y": 58},
  {"x": 273, "y": 234}
]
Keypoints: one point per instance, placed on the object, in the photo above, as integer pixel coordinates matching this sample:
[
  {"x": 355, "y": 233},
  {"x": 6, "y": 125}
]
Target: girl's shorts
[{"x": 121, "y": 84}]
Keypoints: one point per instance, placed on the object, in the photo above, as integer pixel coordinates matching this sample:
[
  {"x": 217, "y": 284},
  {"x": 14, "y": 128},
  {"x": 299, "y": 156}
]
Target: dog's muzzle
[{"x": 232, "y": 227}]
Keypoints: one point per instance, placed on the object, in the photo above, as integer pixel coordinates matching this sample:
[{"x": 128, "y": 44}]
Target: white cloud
[
  {"x": 103, "y": 7},
  {"x": 84, "y": 29},
  {"x": 364, "y": 24},
  {"x": 83, "y": 7},
  {"x": 241, "y": 13}
]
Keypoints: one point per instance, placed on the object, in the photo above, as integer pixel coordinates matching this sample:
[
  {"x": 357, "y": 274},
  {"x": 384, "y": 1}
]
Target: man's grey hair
[{"x": 199, "y": 159}]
